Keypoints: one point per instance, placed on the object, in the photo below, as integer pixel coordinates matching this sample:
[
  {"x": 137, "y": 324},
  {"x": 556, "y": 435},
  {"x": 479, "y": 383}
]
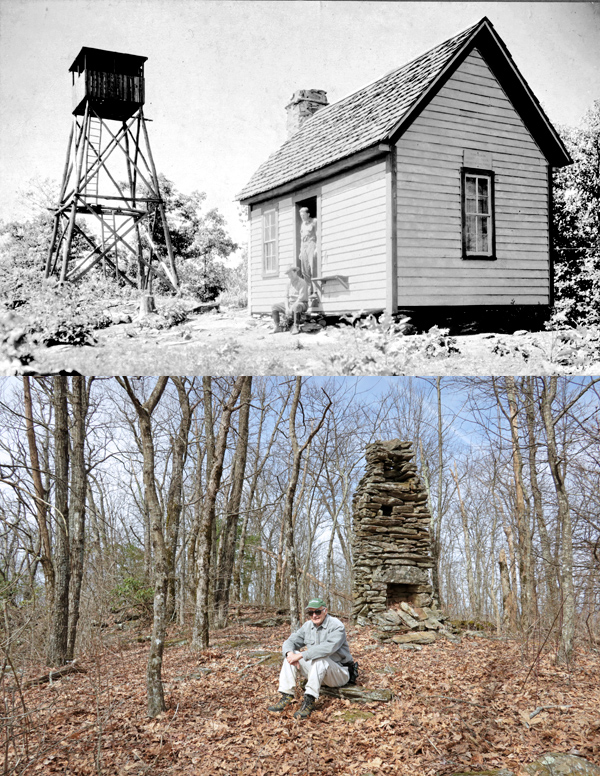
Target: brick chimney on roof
[{"x": 303, "y": 104}]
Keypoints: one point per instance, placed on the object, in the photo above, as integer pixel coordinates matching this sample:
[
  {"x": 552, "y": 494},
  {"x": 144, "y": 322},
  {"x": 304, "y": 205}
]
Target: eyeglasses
[{"x": 310, "y": 612}]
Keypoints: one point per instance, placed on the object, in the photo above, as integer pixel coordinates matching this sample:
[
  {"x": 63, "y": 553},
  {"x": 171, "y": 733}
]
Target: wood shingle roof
[{"x": 369, "y": 116}]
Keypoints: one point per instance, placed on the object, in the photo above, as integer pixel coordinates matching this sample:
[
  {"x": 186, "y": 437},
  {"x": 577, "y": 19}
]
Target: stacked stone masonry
[{"x": 390, "y": 537}]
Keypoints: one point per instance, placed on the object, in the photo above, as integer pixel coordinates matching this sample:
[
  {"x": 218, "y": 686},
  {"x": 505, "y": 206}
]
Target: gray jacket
[{"x": 328, "y": 640}]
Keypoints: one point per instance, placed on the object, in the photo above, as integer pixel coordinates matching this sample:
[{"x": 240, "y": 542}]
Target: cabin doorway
[{"x": 307, "y": 237}]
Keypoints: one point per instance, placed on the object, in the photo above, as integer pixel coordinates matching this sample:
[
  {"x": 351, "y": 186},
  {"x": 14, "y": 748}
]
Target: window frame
[
  {"x": 489, "y": 175},
  {"x": 274, "y": 271}
]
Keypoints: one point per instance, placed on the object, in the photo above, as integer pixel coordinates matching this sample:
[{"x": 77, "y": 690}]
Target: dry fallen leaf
[{"x": 541, "y": 717}]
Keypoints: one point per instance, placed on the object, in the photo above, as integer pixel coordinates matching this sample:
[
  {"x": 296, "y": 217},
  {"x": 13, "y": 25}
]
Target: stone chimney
[
  {"x": 390, "y": 538},
  {"x": 303, "y": 104}
]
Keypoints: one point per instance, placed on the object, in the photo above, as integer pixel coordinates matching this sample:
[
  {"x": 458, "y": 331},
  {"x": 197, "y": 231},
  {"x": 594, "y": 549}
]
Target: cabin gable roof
[{"x": 381, "y": 111}]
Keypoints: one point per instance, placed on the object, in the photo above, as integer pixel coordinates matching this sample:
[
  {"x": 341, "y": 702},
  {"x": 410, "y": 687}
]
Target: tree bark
[
  {"x": 526, "y": 570},
  {"x": 288, "y": 509},
  {"x": 41, "y": 503},
  {"x": 509, "y": 608},
  {"x": 473, "y": 598},
  {"x": 57, "y": 648},
  {"x": 195, "y": 527},
  {"x": 564, "y": 519},
  {"x": 79, "y": 405},
  {"x": 154, "y": 685},
  {"x": 200, "y": 637},
  {"x": 437, "y": 522},
  {"x": 179, "y": 448},
  {"x": 546, "y": 546},
  {"x": 229, "y": 532}
]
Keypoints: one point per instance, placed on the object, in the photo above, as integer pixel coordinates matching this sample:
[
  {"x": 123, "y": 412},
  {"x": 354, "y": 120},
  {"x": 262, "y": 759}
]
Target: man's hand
[{"x": 294, "y": 657}]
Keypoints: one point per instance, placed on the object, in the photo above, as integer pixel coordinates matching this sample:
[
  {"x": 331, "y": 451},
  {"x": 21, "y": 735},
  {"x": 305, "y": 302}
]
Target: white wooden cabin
[{"x": 431, "y": 188}]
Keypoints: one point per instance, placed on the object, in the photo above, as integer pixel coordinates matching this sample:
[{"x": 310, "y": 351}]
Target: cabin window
[
  {"x": 478, "y": 214},
  {"x": 270, "y": 242}
]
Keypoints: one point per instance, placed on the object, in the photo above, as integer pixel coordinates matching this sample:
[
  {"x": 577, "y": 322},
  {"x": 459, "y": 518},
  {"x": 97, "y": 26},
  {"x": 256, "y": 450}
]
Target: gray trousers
[{"x": 322, "y": 671}]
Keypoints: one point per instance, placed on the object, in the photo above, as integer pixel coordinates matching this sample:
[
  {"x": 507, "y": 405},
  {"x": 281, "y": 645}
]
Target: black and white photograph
[
  {"x": 307, "y": 187},
  {"x": 299, "y": 388}
]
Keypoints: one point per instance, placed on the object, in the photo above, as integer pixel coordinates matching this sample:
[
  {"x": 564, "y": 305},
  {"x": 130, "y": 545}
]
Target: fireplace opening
[{"x": 397, "y": 593}]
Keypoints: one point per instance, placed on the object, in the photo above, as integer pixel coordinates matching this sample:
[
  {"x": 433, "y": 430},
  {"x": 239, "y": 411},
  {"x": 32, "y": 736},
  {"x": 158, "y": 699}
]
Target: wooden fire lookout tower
[{"x": 110, "y": 208}]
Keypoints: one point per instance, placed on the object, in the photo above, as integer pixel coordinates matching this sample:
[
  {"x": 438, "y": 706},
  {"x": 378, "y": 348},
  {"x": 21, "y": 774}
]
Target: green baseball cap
[{"x": 316, "y": 603}]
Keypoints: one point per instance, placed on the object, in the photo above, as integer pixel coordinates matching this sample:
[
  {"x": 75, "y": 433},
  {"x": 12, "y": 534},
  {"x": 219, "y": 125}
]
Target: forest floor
[
  {"x": 456, "y": 707},
  {"x": 233, "y": 342}
]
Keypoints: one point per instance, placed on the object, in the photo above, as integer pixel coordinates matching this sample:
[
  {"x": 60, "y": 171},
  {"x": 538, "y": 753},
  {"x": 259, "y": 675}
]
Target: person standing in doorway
[{"x": 308, "y": 245}]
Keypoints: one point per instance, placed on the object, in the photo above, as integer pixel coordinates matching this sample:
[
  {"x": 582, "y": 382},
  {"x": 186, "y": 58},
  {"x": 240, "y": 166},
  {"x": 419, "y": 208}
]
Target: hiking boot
[
  {"x": 276, "y": 330},
  {"x": 307, "y": 708},
  {"x": 283, "y": 702}
]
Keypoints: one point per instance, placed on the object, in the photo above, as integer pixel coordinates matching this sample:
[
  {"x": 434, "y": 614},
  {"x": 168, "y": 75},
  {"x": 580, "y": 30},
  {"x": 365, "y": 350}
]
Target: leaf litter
[{"x": 474, "y": 705}]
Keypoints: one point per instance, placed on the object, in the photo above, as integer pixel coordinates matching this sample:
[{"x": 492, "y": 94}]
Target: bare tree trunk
[
  {"x": 209, "y": 433},
  {"x": 508, "y": 532},
  {"x": 473, "y": 598},
  {"x": 237, "y": 573},
  {"x": 288, "y": 509},
  {"x": 564, "y": 519},
  {"x": 179, "y": 447},
  {"x": 154, "y": 685},
  {"x": 509, "y": 608},
  {"x": 195, "y": 527},
  {"x": 526, "y": 569},
  {"x": 229, "y": 531},
  {"x": 148, "y": 560},
  {"x": 41, "y": 503},
  {"x": 546, "y": 546},
  {"x": 57, "y": 648},
  {"x": 200, "y": 637},
  {"x": 279, "y": 587},
  {"x": 437, "y": 521},
  {"x": 434, "y": 544},
  {"x": 79, "y": 404}
]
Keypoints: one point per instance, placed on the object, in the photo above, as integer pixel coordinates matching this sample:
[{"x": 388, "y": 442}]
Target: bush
[
  {"x": 379, "y": 346},
  {"x": 576, "y": 220},
  {"x": 52, "y": 313},
  {"x": 203, "y": 280},
  {"x": 132, "y": 593},
  {"x": 235, "y": 293}
]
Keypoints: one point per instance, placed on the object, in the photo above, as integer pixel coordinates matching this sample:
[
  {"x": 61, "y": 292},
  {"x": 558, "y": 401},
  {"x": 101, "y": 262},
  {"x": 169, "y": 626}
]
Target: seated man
[
  {"x": 325, "y": 660},
  {"x": 296, "y": 301}
]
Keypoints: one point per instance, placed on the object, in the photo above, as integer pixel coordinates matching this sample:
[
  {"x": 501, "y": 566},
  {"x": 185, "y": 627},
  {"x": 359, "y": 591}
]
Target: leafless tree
[{"x": 200, "y": 638}]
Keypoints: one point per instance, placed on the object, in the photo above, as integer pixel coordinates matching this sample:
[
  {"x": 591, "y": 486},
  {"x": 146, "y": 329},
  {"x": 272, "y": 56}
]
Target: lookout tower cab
[{"x": 112, "y": 84}]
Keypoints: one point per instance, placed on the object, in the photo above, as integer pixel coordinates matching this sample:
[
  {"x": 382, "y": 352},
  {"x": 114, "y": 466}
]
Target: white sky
[{"x": 220, "y": 72}]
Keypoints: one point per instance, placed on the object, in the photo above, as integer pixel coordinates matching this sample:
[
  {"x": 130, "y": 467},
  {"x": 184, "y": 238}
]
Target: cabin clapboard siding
[
  {"x": 353, "y": 239},
  {"x": 264, "y": 290},
  {"x": 470, "y": 112},
  {"x": 351, "y": 214},
  {"x": 384, "y": 170}
]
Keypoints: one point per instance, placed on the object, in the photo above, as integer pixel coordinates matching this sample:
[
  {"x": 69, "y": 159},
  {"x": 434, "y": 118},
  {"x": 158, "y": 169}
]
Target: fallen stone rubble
[{"x": 405, "y": 624}]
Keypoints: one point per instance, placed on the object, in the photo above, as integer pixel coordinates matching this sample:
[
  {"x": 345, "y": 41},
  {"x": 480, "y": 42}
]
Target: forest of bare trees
[{"x": 180, "y": 499}]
